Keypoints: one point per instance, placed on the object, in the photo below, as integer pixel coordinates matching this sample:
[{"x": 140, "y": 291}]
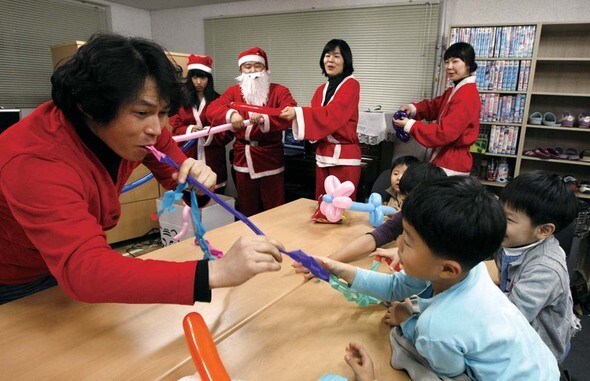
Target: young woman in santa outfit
[
  {"x": 455, "y": 115},
  {"x": 200, "y": 92},
  {"x": 332, "y": 118}
]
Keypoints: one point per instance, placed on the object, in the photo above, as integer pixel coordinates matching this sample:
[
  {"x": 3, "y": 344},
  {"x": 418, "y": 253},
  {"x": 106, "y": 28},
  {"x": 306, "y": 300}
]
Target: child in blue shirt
[
  {"x": 466, "y": 324},
  {"x": 532, "y": 265}
]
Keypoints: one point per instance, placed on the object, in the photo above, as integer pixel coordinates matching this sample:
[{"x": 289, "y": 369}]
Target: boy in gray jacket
[{"x": 532, "y": 265}]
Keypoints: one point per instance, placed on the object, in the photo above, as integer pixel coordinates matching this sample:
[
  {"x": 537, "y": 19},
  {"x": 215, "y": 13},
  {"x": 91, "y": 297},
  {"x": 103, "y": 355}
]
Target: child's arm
[
  {"x": 354, "y": 250},
  {"x": 361, "y": 363}
]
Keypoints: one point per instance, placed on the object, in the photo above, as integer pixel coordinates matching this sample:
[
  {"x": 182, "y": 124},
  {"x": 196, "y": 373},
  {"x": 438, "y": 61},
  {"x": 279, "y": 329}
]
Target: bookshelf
[{"x": 527, "y": 68}]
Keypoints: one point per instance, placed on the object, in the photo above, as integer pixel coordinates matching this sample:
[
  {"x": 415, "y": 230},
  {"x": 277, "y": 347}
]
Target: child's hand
[
  {"x": 300, "y": 269},
  {"x": 341, "y": 270},
  {"x": 388, "y": 253},
  {"x": 398, "y": 312},
  {"x": 361, "y": 363}
]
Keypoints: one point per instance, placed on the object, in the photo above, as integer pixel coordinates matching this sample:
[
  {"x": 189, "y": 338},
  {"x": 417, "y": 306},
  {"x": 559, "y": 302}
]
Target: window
[
  {"x": 28, "y": 30},
  {"x": 393, "y": 49}
]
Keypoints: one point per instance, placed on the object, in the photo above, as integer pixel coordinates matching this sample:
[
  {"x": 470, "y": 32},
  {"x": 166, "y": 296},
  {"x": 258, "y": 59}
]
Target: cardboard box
[{"x": 213, "y": 216}]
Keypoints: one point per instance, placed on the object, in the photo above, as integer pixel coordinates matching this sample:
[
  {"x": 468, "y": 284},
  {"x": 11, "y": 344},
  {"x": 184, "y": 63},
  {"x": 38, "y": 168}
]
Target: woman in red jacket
[
  {"x": 332, "y": 119},
  {"x": 454, "y": 115},
  {"x": 192, "y": 117}
]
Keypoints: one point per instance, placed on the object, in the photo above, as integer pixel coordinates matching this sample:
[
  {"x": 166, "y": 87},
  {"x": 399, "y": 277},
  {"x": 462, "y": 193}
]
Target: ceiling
[{"x": 152, "y": 5}]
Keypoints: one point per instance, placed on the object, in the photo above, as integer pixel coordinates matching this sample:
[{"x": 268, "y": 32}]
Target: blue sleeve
[
  {"x": 444, "y": 358},
  {"x": 409, "y": 328},
  {"x": 387, "y": 287}
]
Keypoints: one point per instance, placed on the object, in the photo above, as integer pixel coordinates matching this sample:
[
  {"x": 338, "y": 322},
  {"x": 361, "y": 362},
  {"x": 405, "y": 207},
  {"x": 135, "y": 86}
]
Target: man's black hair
[{"x": 110, "y": 71}]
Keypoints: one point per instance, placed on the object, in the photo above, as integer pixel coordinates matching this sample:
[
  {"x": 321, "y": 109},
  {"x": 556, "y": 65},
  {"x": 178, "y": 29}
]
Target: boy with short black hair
[
  {"x": 466, "y": 324},
  {"x": 532, "y": 265}
]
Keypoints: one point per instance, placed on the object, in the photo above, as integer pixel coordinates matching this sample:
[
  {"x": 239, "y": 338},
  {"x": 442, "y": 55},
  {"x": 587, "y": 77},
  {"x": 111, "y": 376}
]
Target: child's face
[
  {"x": 415, "y": 256},
  {"x": 520, "y": 230},
  {"x": 396, "y": 176}
]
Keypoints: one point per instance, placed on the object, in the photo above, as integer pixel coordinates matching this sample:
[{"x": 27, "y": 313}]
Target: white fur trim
[
  {"x": 201, "y": 150},
  {"x": 206, "y": 69},
  {"x": 250, "y": 168},
  {"x": 228, "y": 115},
  {"x": 190, "y": 129},
  {"x": 413, "y": 110},
  {"x": 209, "y": 139},
  {"x": 450, "y": 172},
  {"x": 266, "y": 126},
  {"x": 409, "y": 125},
  {"x": 220, "y": 185},
  {"x": 298, "y": 124},
  {"x": 251, "y": 58},
  {"x": 248, "y": 132},
  {"x": 327, "y": 161}
]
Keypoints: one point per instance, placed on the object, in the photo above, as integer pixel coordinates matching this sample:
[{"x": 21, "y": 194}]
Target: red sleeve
[
  {"x": 283, "y": 99},
  {"x": 52, "y": 204},
  {"x": 217, "y": 111},
  {"x": 463, "y": 111},
  {"x": 429, "y": 109},
  {"x": 181, "y": 121}
]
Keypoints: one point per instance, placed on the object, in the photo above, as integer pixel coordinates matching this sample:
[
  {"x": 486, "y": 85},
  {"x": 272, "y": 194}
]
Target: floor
[{"x": 140, "y": 245}]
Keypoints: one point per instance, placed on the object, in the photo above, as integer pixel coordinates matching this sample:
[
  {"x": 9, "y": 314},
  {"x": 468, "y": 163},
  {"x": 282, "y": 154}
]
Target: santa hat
[
  {"x": 203, "y": 63},
  {"x": 253, "y": 55}
]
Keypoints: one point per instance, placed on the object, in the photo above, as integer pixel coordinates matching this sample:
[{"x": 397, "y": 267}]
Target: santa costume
[
  {"x": 258, "y": 156},
  {"x": 193, "y": 118}
]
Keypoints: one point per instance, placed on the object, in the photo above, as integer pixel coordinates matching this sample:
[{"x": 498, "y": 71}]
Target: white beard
[{"x": 255, "y": 87}]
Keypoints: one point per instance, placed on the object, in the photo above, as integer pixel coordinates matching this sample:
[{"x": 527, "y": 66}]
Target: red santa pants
[
  {"x": 344, "y": 173},
  {"x": 258, "y": 195}
]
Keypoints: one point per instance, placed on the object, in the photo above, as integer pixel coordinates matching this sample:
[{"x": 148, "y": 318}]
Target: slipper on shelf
[
  {"x": 560, "y": 152},
  {"x": 536, "y": 118},
  {"x": 584, "y": 187},
  {"x": 549, "y": 119},
  {"x": 553, "y": 152},
  {"x": 584, "y": 120},
  {"x": 585, "y": 155},
  {"x": 542, "y": 153},
  {"x": 571, "y": 182},
  {"x": 572, "y": 154},
  {"x": 567, "y": 119}
]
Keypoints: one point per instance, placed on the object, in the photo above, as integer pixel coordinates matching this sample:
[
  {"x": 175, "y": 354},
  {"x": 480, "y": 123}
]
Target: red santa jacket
[
  {"x": 455, "y": 128},
  {"x": 212, "y": 148},
  {"x": 56, "y": 200},
  {"x": 258, "y": 149},
  {"x": 333, "y": 125}
]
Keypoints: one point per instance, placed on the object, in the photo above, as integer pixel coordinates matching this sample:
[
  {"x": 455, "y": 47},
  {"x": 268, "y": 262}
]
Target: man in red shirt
[{"x": 62, "y": 169}]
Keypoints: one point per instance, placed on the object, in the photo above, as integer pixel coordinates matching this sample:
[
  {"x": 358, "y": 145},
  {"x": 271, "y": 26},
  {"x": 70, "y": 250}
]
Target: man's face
[
  {"x": 138, "y": 124},
  {"x": 252, "y": 67}
]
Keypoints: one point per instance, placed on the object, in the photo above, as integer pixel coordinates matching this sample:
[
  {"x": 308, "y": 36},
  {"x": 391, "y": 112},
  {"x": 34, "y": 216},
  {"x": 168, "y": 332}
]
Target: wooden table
[{"x": 52, "y": 337}]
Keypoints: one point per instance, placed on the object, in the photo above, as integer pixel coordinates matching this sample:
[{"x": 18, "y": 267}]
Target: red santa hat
[
  {"x": 254, "y": 54},
  {"x": 203, "y": 63}
]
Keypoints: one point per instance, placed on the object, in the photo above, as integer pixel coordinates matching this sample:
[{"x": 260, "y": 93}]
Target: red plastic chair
[{"x": 203, "y": 350}]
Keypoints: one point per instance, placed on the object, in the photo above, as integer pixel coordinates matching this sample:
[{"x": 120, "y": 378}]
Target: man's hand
[
  {"x": 198, "y": 170},
  {"x": 256, "y": 118},
  {"x": 387, "y": 253},
  {"x": 247, "y": 257}
]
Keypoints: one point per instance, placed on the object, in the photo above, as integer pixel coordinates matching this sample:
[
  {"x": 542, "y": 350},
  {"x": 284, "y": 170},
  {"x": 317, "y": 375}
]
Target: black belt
[{"x": 255, "y": 143}]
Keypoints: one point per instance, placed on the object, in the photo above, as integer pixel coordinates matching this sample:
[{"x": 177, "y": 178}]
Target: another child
[
  {"x": 533, "y": 269},
  {"x": 398, "y": 167},
  {"x": 466, "y": 324}
]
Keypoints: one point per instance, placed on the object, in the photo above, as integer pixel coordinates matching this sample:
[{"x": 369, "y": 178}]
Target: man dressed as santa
[{"x": 258, "y": 157}]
